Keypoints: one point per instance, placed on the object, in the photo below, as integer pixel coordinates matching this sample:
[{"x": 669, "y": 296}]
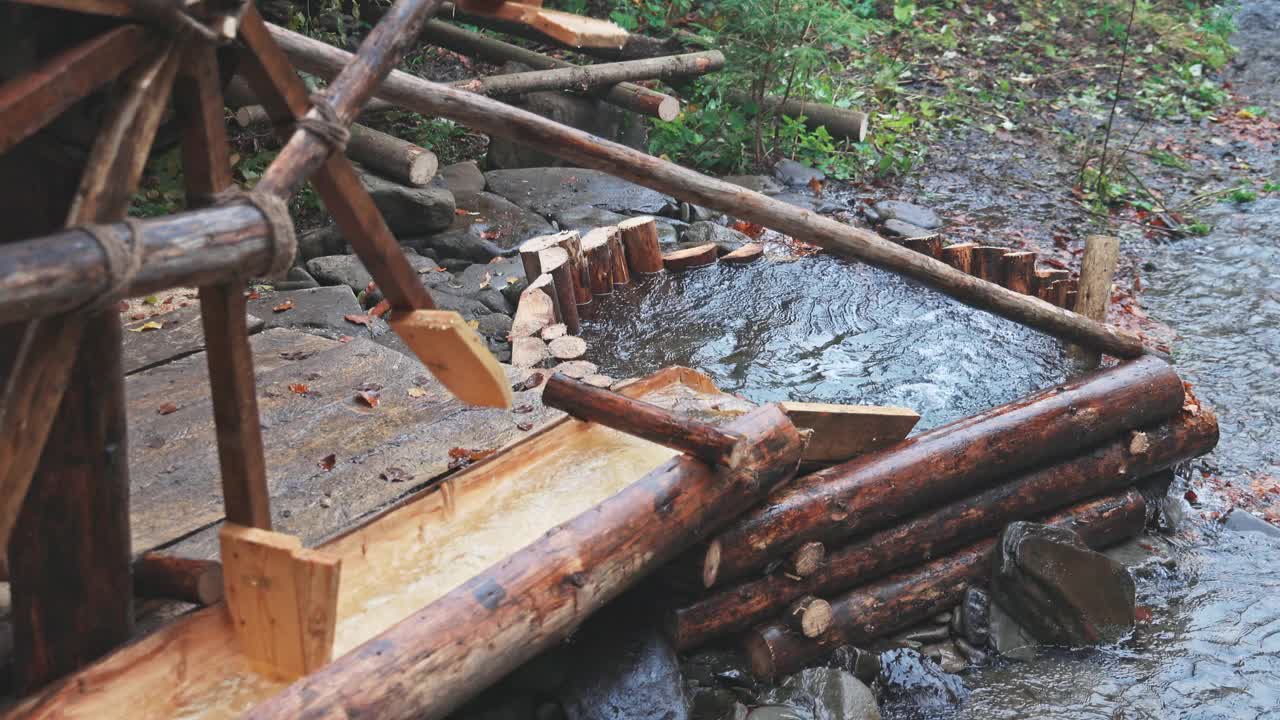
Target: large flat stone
[
  {"x": 181, "y": 333},
  {"x": 548, "y": 191},
  {"x": 491, "y": 227},
  {"x": 408, "y": 210}
]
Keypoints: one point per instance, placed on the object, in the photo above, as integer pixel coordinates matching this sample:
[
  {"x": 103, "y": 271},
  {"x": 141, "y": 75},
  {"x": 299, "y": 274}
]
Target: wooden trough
[{"x": 457, "y": 585}]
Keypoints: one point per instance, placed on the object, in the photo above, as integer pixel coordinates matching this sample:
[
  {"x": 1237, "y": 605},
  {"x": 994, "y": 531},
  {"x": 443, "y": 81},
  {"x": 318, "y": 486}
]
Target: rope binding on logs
[{"x": 327, "y": 127}]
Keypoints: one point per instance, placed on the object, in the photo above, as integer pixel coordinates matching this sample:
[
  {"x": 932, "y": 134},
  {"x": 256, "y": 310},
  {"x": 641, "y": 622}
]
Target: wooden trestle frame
[{"x": 60, "y": 355}]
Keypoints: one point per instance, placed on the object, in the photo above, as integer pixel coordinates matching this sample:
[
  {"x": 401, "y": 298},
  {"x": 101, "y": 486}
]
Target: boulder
[
  {"x": 584, "y": 113},
  {"x": 825, "y": 694},
  {"x": 323, "y": 241},
  {"x": 408, "y": 210},
  {"x": 701, "y": 233},
  {"x": 1010, "y": 639},
  {"x": 493, "y": 227},
  {"x": 348, "y": 270},
  {"x": 623, "y": 670},
  {"x": 975, "y": 616},
  {"x": 908, "y": 680},
  {"x": 1061, "y": 591},
  {"x": 1240, "y": 521},
  {"x": 464, "y": 180},
  {"x": 319, "y": 311},
  {"x": 899, "y": 228},
  {"x": 585, "y": 217},
  {"x": 297, "y": 279},
  {"x": 757, "y": 183},
  {"x": 921, "y": 217},
  {"x": 796, "y": 174},
  {"x": 864, "y": 665},
  {"x": 548, "y": 191}
]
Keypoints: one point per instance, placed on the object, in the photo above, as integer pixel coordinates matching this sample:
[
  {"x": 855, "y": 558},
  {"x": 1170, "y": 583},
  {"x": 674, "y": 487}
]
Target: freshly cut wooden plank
[
  {"x": 568, "y": 28},
  {"x": 690, "y": 257},
  {"x": 394, "y": 564},
  {"x": 843, "y": 431},
  {"x": 746, "y": 254}
]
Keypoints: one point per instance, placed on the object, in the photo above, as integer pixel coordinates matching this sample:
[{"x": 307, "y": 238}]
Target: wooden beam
[
  {"x": 841, "y": 432},
  {"x": 156, "y": 575},
  {"x": 34, "y": 98},
  {"x": 1097, "y": 270}
]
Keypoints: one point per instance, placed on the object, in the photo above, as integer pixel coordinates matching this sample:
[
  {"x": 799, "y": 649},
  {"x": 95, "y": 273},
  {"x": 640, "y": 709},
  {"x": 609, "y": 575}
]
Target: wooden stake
[
  {"x": 640, "y": 238},
  {"x": 986, "y": 263},
  {"x": 530, "y": 249},
  {"x": 598, "y": 252},
  {"x": 959, "y": 256},
  {"x": 805, "y": 560},
  {"x": 554, "y": 262},
  {"x": 1019, "y": 272},
  {"x": 620, "y": 271},
  {"x": 1097, "y": 269}
]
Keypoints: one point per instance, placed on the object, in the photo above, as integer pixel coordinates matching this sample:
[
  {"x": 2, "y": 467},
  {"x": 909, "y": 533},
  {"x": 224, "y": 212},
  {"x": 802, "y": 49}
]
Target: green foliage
[
  {"x": 1271, "y": 186},
  {"x": 1168, "y": 159},
  {"x": 1242, "y": 195}
]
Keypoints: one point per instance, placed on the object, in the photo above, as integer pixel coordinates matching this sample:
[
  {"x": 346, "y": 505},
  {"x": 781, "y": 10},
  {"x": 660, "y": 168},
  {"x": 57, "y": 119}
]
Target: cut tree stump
[
  {"x": 690, "y": 258},
  {"x": 536, "y": 311},
  {"x": 748, "y": 253},
  {"x": 567, "y": 347},
  {"x": 1019, "y": 272},
  {"x": 599, "y": 257},
  {"x": 809, "y": 616},
  {"x": 528, "y": 352},
  {"x": 640, "y": 238}
]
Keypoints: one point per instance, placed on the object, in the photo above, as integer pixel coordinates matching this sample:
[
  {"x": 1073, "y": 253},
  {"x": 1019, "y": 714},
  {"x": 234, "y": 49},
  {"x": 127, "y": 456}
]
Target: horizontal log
[
  {"x": 426, "y": 665},
  {"x": 189, "y": 580},
  {"x": 902, "y": 600},
  {"x": 586, "y": 77},
  {"x": 875, "y": 490},
  {"x": 636, "y": 417},
  {"x": 1118, "y": 463},
  {"x": 839, "y": 122}
]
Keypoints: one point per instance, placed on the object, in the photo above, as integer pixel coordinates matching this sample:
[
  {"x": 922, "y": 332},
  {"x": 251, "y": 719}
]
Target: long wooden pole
[
  {"x": 591, "y": 152},
  {"x": 585, "y": 77},
  {"x": 636, "y": 417}
]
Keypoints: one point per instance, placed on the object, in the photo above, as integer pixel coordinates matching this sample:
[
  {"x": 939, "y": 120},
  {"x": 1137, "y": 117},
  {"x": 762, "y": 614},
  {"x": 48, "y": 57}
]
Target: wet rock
[
  {"x": 947, "y": 656},
  {"x": 701, "y": 233},
  {"x": 1144, "y": 554},
  {"x": 1008, "y": 638},
  {"x": 494, "y": 325},
  {"x": 319, "y": 311},
  {"x": 623, "y": 670},
  {"x": 758, "y": 183},
  {"x": 711, "y": 703},
  {"x": 297, "y": 279},
  {"x": 805, "y": 199},
  {"x": 898, "y": 228},
  {"x": 548, "y": 191},
  {"x": 910, "y": 680},
  {"x": 549, "y": 711},
  {"x": 796, "y": 174},
  {"x": 543, "y": 674},
  {"x": 925, "y": 634},
  {"x": 957, "y": 623},
  {"x": 1240, "y": 521},
  {"x": 493, "y": 227},
  {"x": 825, "y": 694},
  {"x": 777, "y": 712},
  {"x": 1059, "y": 589},
  {"x": 710, "y": 667},
  {"x": 975, "y": 656},
  {"x": 862, "y": 664},
  {"x": 942, "y": 618},
  {"x": 584, "y": 113},
  {"x": 921, "y": 217},
  {"x": 585, "y": 218},
  {"x": 410, "y": 211},
  {"x": 348, "y": 270},
  {"x": 327, "y": 240},
  {"x": 975, "y": 616},
  {"x": 464, "y": 180}
]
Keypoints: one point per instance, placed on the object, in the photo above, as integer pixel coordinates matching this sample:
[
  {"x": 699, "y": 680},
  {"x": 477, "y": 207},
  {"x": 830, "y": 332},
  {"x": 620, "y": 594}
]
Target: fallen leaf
[
  {"x": 490, "y": 235},
  {"x": 356, "y": 319},
  {"x": 167, "y": 408},
  {"x": 368, "y": 397},
  {"x": 152, "y": 300},
  {"x": 513, "y": 280},
  {"x": 816, "y": 186},
  {"x": 417, "y": 392},
  {"x": 395, "y": 475},
  {"x": 296, "y": 355},
  {"x": 462, "y": 457},
  {"x": 1142, "y": 614},
  {"x": 381, "y": 309},
  {"x": 522, "y": 409},
  {"x": 282, "y": 307},
  {"x": 345, "y": 339},
  {"x": 524, "y": 426},
  {"x": 299, "y": 388},
  {"x": 328, "y": 461},
  {"x": 1191, "y": 497},
  {"x": 529, "y": 383},
  {"x": 150, "y": 325},
  {"x": 253, "y": 295}
]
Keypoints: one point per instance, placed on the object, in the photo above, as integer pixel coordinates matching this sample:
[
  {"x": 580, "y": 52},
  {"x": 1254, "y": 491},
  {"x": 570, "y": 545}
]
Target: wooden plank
[
  {"x": 32, "y": 100},
  {"x": 316, "y": 578},
  {"x": 843, "y": 431},
  {"x": 568, "y": 28},
  {"x": 180, "y": 334}
]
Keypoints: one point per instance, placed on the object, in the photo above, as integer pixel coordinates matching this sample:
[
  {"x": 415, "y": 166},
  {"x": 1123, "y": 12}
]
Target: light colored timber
[
  {"x": 1097, "y": 270},
  {"x": 450, "y": 348},
  {"x": 392, "y": 565},
  {"x": 844, "y": 431},
  {"x": 748, "y": 253},
  {"x": 568, "y": 28},
  {"x": 536, "y": 311},
  {"x": 690, "y": 258},
  {"x": 586, "y": 77}
]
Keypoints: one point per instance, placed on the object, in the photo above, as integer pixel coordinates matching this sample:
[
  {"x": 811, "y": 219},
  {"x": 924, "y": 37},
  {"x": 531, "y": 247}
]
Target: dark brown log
[
  {"x": 571, "y": 243},
  {"x": 1116, "y": 464},
  {"x": 625, "y": 95},
  {"x": 839, "y": 122},
  {"x": 391, "y": 157},
  {"x": 690, "y": 258},
  {"x": 805, "y": 560},
  {"x": 598, "y": 253},
  {"x": 170, "y": 577},
  {"x": 1019, "y": 272},
  {"x": 635, "y": 417},
  {"x": 1045, "y": 280},
  {"x": 875, "y": 490},
  {"x": 640, "y": 238},
  {"x": 586, "y": 151},
  {"x": 37, "y": 96},
  {"x": 809, "y": 616},
  {"x": 587, "y": 77},
  {"x": 619, "y": 271},
  {"x": 554, "y": 261},
  {"x": 959, "y": 256},
  {"x": 531, "y": 249},
  {"x": 904, "y": 599},
  {"x": 428, "y": 664},
  {"x": 985, "y": 263},
  {"x": 931, "y": 246}
]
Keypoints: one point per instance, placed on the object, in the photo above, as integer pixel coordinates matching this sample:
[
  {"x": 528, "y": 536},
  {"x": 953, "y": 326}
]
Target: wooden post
[
  {"x": 1097, "y": 269},
  {"x": 598, "y": 252},
  {"x": 529, "y": 252},
  {"x": 959, "y": 256},
  {"x": 555, "y": 263},
  {"x": 640, "y": 238},
  {"x": 571, "y": 243},
  {"x": 1019, "y": 272},
  {"x": 635, "y": 417},
  {"x": 986, "y": 263},
  {"x": 620, "y": 271}
]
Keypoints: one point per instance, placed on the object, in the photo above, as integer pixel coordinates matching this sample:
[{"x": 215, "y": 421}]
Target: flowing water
[{"x": 822, "y": 329}]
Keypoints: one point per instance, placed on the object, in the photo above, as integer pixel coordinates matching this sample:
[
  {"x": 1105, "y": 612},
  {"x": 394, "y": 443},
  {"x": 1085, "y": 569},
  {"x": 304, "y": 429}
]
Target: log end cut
[{"x": 690, "y": 257}]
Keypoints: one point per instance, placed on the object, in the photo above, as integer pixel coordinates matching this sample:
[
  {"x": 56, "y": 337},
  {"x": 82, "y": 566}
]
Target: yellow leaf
[
  {"x": 150, "y": 325},
  {"x": 417, "y": 392},
  {"x": 513, "y": 280}
]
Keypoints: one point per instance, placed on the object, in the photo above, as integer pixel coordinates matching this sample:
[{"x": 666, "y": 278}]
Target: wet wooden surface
[{"x": 307, "y": 389}]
